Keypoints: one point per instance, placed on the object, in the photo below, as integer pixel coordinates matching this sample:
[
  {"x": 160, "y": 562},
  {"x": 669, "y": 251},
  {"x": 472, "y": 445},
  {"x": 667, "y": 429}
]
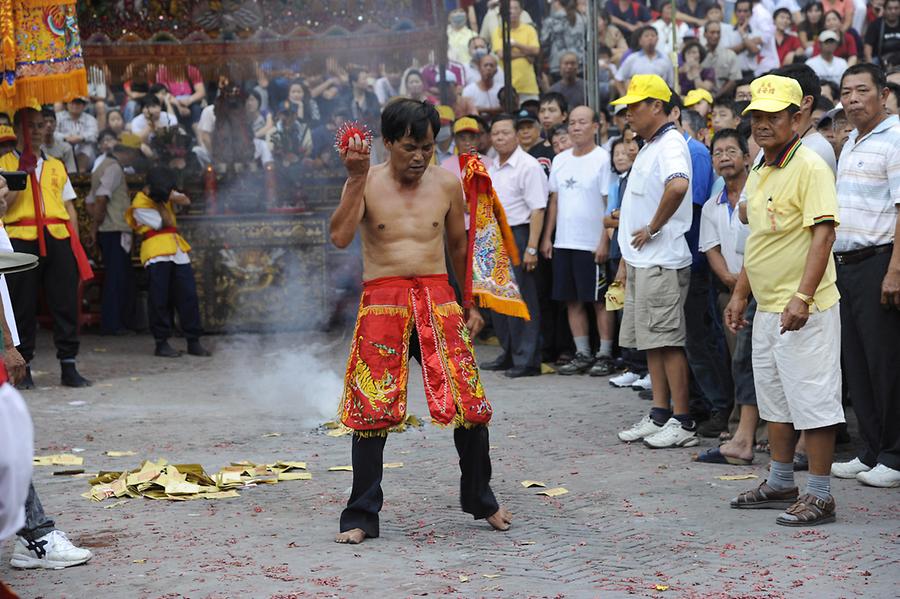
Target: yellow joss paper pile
[{"x": 182, "y": 482}]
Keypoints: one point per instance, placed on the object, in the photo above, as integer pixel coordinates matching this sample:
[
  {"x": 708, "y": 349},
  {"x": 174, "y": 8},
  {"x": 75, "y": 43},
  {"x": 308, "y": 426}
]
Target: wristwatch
[
  {"x": 531, "y": 251},
  {"x": 653, "y": 234},
  {"x": 806, "y": 299}
]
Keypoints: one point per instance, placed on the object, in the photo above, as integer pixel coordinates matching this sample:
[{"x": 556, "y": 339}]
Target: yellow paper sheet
[
  {"x": 295, "y": 476},
  {"x": 119, "y": 454},
  {"x": 554, "y": 492},
  {"x": 393, "y": 465},
  {"x": 341, "y": 469},
  {"x": 737, "y": 477},
  {"x": 58, "y": 459},
  {"x": 532, "y": 483}
]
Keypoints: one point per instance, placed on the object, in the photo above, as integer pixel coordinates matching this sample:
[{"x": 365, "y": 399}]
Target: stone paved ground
[{"x": 633, "y": 518}]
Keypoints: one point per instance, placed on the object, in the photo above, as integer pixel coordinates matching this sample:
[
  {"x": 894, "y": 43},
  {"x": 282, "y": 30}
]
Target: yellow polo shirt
[
  {"x": 784, "y": 200},
  {"x": 524, "y": 79}
]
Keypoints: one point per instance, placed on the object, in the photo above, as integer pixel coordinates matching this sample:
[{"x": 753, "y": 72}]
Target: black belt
[{"x": 855, "y": 256}]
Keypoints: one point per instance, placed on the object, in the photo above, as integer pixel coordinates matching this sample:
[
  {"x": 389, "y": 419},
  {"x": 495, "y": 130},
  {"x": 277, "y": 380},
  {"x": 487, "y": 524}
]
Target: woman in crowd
[
  {"x": 413, "y": 86},
  {"x": 844, "y": 10},
  {"x": 259, "y": 118},
  {"x": 115, "y": 121},
  {"x": 302, "y": 104},
  {"x": 690, "y": 74},
  {"x": 847, "y": 48},
  {"x": 812, "y": 25}
]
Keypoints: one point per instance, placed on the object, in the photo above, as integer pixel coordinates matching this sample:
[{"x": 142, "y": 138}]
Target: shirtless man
[{"x": 404, "y": 209}]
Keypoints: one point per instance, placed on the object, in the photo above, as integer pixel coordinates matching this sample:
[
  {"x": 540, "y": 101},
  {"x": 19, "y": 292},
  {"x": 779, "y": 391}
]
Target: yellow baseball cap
[
  {"x": 696, "y": 95},
  {"x": 446, "y": 113},
  {"x": 466, "y": 123},
  {"x": 7, "y": 133},
  {"x": 644, "y": 87},
  {"x": 774, "y": 93},
  {"x": 129, "y": 141}
]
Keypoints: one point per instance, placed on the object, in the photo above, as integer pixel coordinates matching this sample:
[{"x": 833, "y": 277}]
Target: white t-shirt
[
  {"x": 663, "y": 158},
  {"x": 720, "y": 225},
  {"x": 829, "y": 71},
  {"x": 580, "y": 184},
  {"x": 484, "y": 99},
  {"x": 140, "y": 123}
]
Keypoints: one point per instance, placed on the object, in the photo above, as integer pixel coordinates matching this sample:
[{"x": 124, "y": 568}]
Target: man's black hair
[
  {"x": 482, "y": 124},
  {"x": 810, "y": 84},
  {"x": 750, "y": 2},
  {"x": 835, "y": 90},
  {"x": 778, "y": 11},
  {"x": 161, "y": 180},
  {"x": 728, "y": 104},
  {"x": 873, "y": 71},
  {"x": 558, "y": 130},
  {"x": 548, "y": 97},
  {"x": 150, "y": 100},
  {"x": 731, "y": 134},
  {"x": 531, "y": 106},
  {"x": 156, "y": 88},
  {"x": 674, "y": 100},
  {"x": 503, "y": 116},
  {"x": 106, "y": 133},
  {"x": 20, "y": 114},
  {"x": 403, "y": 116},
  {"x": 638, "y": 33},
  {"x": 48, "y": 112},
  {"x": 823, "y": 104}
]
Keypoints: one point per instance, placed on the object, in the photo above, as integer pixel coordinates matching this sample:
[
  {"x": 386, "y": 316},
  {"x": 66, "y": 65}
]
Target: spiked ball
[{"x": 347, "y": 131}]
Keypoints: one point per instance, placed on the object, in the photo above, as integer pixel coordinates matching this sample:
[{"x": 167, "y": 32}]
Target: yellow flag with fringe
[{"x": 492, "y": 250}]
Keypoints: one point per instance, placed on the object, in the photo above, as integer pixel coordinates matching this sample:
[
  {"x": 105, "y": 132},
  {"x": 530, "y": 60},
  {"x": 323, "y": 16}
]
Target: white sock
[
  {"x": 606, "y": 347},
  {"x": 583, "y": 345}
]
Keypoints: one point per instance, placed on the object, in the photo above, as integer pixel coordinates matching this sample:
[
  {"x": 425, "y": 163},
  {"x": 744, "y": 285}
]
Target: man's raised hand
[{"x": 357, "y": 156}]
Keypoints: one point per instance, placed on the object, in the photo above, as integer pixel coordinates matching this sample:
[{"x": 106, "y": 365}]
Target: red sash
[
  {"x": 163, "y": 231},
  {"x": 84, "y": 266}
]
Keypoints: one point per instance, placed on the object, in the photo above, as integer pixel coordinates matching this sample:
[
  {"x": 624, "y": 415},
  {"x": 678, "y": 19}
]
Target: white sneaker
[
  {"x": 880, "y": 476},
  {"x": 848, "y": 469},
  {"x": 642, "y": 383},
  {"x": 645, "y": 426},
  {"x": 672, "y": 434},
  {"x": 53, "y": 551},
  {"x": 626, "y": 379}
]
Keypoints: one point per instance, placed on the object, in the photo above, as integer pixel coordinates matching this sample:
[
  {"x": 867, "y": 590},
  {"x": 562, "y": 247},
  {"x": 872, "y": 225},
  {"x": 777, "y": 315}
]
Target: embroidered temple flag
[{"x": 492, "y": 250}]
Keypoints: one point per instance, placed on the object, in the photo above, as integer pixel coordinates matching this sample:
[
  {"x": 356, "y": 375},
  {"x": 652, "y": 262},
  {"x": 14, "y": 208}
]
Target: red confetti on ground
[{"x": 347, "y": 131}]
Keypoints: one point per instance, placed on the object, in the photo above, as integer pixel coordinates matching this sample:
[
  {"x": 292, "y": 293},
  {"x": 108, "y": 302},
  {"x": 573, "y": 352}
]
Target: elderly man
[
  {"x": 792, "y": 212},
  {"x": 570, "y": 85},
  {"x": 868, "y": 275},
  {"x": 483, "y": 89},
  {"x": 655, "y": 216},
  {"x": 721, "y": 59},
  {"x": 579, "y": 183},
  {"x": 522, "y": 188}
]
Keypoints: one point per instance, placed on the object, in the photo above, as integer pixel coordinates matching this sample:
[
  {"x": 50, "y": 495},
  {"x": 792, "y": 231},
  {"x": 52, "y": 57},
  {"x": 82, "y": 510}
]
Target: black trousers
[
  {"x": 57, "y": 275},
  {"x": 117, "y": 305},
  {"x": 366, "y": 497},
  {"x": 173, "y": 285},
  {"x": 870, "y": 335},
  {"x": 520, "y": 338}
]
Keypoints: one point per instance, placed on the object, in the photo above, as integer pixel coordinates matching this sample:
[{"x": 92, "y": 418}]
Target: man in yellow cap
[
  {"x": 466, "y": 134},
  {"x": 792, "y": 211},
  {"x": 656, "y": 261},
  {"x": 699, "y": 100},
  {"x": 443, "y": 142}
]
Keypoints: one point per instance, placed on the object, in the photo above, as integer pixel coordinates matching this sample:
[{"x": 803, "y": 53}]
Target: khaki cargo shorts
[{"x": 653, "y": 316}]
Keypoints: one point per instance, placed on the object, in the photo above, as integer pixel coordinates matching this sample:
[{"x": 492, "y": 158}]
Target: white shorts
[{"x": 798, "y": 374}]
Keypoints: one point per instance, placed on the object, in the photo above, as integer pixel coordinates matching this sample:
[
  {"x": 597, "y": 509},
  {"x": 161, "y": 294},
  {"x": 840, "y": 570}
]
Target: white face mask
[
  {"x": 478, "y": 53},
  {"x": 458, "y": 20}
]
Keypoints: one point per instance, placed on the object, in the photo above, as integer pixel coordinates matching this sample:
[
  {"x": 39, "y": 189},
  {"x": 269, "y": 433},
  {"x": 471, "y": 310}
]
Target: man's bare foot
[
  {"x": 354, "y": 536},
  {"x": 735, "y": 449},
  {"x": 501, "y": 520}
]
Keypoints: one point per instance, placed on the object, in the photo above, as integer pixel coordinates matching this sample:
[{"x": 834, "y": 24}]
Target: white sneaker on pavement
[
  {"x": 880, "y": 476},
  {"x": 53, "y": 551},
  {"x": 626, "y": 379},
  {"x": 848, "y": 469},
  {"x": 642, "y": 383},
  {"x": 645, "y": 426},
  {"x": 672, "y": 435}
]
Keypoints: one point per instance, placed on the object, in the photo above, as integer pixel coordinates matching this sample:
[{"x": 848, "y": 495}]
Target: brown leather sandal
[
  {"x": 809, "y": 510},
  {"x": 766, "y": 498}
]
